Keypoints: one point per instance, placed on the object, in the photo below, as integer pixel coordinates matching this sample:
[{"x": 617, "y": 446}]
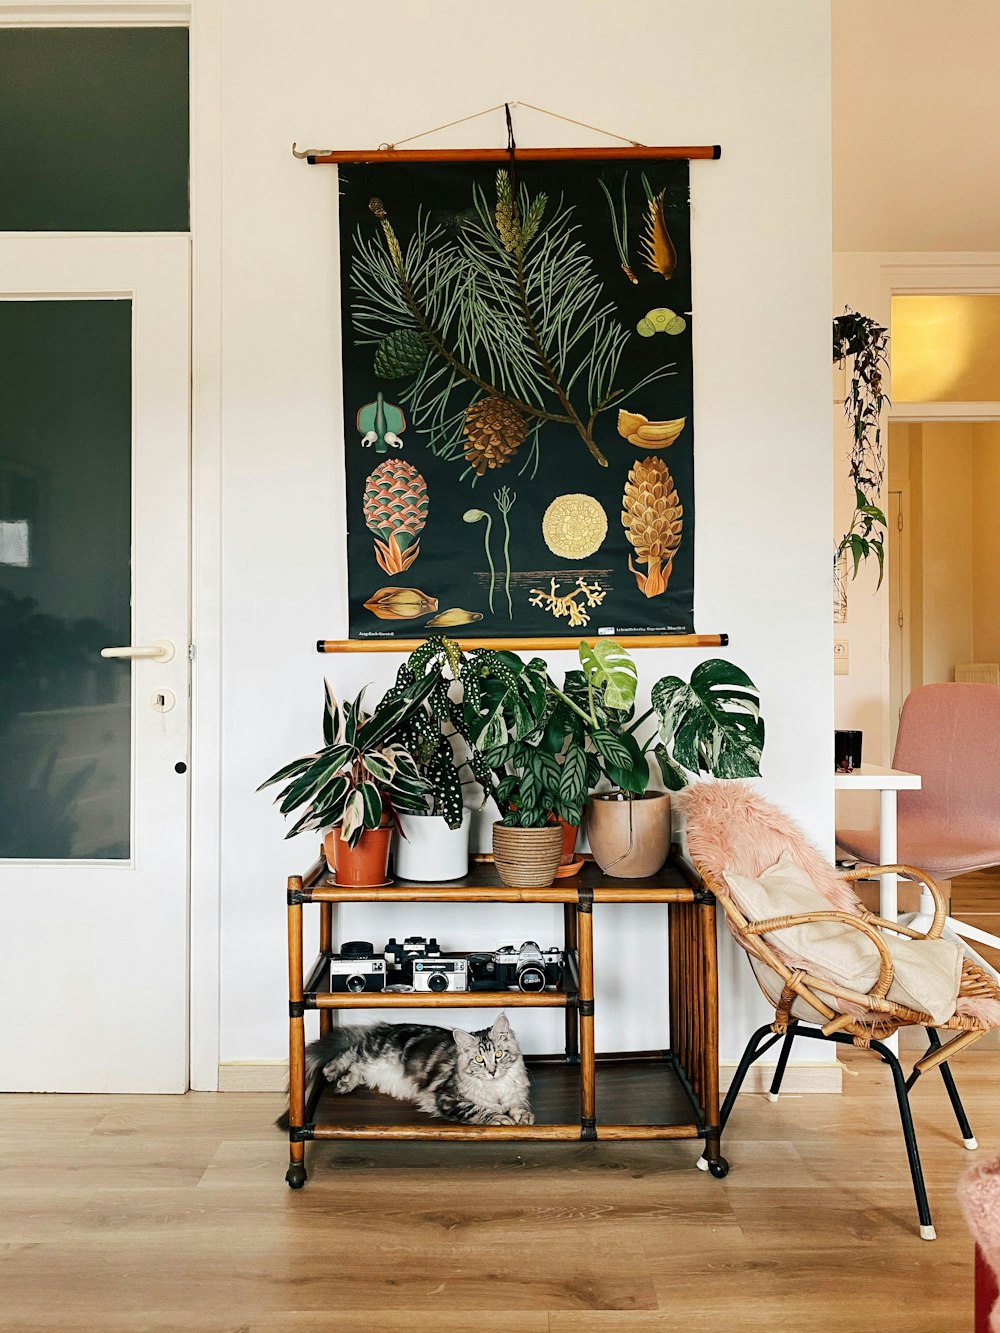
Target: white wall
[{"x": 754, "y": 78}]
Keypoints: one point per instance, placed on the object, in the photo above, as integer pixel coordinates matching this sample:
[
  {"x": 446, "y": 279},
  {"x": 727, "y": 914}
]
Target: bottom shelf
[{"x": 637, "y": 1097}]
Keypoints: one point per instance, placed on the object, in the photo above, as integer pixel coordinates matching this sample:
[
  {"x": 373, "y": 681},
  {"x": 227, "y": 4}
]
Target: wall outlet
[{"x": 841, "y": 657}]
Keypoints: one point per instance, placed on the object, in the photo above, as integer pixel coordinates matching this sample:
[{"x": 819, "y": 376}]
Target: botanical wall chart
[{"x": 517, "y": 398}]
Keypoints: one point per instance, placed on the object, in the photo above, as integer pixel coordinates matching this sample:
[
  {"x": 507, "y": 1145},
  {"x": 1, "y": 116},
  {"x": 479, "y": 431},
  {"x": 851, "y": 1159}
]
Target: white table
[{"x": 887, "y": 782}]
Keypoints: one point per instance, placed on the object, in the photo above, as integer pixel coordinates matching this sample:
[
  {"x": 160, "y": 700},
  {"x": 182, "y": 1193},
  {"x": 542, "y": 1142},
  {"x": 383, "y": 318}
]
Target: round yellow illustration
[{"x": 574, "y": 526}]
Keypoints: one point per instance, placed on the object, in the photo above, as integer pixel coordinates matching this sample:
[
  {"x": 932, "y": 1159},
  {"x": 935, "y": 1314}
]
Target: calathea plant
[{"x": 362, "y": 772}]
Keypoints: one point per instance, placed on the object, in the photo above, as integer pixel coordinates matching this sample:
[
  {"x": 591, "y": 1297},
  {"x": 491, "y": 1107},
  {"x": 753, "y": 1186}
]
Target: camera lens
[
  {"x": 355, "y": 983},
  {"x": 437, "y": 982},
  {"x": 531, "y": 978}
]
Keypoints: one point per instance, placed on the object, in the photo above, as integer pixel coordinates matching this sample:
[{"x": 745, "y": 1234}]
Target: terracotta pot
[
  {"x": 569, "y": 836},
  {"x": 366, "y": 864},
  {"x": 527, "y": 858},
  {"x": 629, "y": 839}
]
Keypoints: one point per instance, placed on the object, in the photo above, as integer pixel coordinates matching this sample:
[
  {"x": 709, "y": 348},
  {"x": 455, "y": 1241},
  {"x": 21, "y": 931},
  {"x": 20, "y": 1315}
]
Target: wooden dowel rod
[
  {"x": 585, "y": 947},
  {"x": 648, "y": 1132},
  {"x": 296, "y": 1029},
  {"x": 436, "y": 1131},
  {"x": 432, "y": 893},
  {"x": 625, "y": 153},
  {"x": 497, "y": 999},
  {"x": 709, "y": 1094},
  {"x": 566, "y": 644},
  {"x": 644, "y": 896}
]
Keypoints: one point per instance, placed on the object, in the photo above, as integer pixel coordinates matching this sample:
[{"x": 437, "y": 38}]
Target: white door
[{"x": 94, "y": 429}]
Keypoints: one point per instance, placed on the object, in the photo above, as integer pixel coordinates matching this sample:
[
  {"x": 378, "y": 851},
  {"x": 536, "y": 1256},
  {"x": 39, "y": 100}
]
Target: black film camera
[
  {"x": 528, "y": 968},
  {"x": 357, "y": 968}
]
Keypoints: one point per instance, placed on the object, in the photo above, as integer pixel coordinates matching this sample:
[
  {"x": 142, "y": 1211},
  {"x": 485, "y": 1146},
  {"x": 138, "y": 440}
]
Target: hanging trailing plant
[{"x": 866, "y": 343}]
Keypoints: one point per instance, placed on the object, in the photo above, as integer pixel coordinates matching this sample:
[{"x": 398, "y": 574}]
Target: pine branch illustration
[{"x": 511, "y": 309}]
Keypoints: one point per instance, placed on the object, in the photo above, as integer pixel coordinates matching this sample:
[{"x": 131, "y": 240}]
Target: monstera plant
[{"x": 709, "y": 725}]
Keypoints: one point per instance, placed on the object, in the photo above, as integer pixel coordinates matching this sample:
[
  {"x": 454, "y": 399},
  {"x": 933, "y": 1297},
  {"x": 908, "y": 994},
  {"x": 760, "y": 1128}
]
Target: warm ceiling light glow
[{"x": 945, "y": 349}]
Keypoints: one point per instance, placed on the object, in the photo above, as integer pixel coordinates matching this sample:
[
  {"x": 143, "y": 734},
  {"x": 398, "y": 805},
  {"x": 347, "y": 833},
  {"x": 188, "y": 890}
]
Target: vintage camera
[
  {"x": 528, "y": 968},
  {"x": 439, "y": 974},
  {"x": 400, "y": 957},
  {"x": 482, "y": 971},
  {"x": 356, "y": 968}
]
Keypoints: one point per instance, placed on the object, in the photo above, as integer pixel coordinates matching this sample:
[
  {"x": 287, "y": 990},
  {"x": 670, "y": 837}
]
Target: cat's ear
[
  {"x": 500, "y": 1029},
  {"x": 464, "y": 1040}
]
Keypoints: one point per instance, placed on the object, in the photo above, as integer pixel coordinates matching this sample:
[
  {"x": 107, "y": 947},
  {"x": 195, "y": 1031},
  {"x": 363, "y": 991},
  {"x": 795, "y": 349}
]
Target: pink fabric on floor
[
  {"x": 950, "y": 735},
  {"x": 979, "y": 1195}
]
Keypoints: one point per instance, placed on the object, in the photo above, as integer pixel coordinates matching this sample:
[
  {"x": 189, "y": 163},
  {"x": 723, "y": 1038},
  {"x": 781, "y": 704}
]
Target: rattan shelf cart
[{"x": 578, "y": 1094}]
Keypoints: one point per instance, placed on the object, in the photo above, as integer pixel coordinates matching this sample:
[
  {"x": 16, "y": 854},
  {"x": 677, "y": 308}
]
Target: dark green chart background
[{"x": 451, "y": 565}]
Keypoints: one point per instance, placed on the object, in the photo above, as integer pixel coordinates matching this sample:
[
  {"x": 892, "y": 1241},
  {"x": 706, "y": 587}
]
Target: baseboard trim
[
  {"x": 799, "y": 1078},
  {"x": 272, "y": 1076},
  {"x": 247, "y": 1076}
]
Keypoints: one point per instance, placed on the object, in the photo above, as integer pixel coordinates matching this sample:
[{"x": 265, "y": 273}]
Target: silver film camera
[
  {"x": 356, "y": 968},
  {"x": 440, "y": 974}
]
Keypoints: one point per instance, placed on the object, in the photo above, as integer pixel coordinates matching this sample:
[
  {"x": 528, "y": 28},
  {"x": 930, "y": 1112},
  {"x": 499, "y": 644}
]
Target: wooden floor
[{"x": 147, "y": 1214}]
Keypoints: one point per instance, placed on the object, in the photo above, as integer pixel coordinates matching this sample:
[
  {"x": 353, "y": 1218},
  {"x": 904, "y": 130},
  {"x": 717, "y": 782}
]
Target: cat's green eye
[{"x": 480, "y": 1060}]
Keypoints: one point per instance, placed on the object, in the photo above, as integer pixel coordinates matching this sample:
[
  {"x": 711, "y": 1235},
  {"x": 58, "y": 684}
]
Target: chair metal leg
[
  {"x": 927, "y": 1231},
  {"x": 779, "y": 1069},
  {"x": 965, "y": 1129},
  {"x": 755, "y": 1048}
]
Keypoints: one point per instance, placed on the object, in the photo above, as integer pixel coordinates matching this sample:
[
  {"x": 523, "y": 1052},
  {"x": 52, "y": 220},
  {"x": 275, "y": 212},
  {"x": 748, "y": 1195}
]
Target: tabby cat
[{"x": 476, "y": 1077}]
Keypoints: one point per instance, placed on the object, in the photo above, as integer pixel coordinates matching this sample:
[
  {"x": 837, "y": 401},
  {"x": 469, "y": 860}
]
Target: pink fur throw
[
  {"x": 979, "y": 1195},
  {"x": 730, "y": 827}
]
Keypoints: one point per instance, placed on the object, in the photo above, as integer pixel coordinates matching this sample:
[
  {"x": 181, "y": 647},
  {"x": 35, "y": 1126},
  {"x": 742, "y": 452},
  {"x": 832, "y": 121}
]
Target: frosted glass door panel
[{"x": 65, "y": 578}]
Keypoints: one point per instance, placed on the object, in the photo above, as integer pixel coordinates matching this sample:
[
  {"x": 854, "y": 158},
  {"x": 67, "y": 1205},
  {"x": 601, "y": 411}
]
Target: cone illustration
[
  {"x": 494, "y": 431},
  {"x": 395, "y": 512},
  {"x": 652, "y": 518}
]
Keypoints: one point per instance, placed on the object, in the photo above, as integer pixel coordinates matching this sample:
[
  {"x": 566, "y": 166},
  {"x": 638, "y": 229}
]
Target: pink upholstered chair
[{"x": 950, "y": 735}]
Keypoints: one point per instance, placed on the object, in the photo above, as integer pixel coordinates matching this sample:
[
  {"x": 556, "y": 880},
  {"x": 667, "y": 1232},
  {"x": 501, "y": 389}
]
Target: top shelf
[{"x": 673, "y": 884}]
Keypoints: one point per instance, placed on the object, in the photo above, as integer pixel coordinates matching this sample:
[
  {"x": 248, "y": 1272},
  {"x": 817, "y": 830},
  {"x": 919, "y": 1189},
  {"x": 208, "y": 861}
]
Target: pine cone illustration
[
  {"x": 652, "y": 518},
  {"x": 400, "y": 353},
  {"x": 494, "y": 431},
  {"x": 396, "y": 511}
]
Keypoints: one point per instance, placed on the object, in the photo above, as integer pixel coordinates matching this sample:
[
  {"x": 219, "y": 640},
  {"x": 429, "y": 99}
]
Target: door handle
[{"x": 160, "y": 651}]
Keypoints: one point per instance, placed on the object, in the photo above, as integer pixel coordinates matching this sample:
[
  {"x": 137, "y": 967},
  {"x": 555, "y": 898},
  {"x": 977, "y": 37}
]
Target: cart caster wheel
[
  {"x": 296, "y": 1176},
  {"x": 719, "y": 1169}
]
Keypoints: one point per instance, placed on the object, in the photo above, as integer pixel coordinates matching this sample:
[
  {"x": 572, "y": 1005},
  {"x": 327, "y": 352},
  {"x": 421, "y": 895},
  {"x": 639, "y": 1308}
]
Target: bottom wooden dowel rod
[
  {"x": 648, "y": 1132},
  {"x": 460, "y": 1132},
  {"x": 484, "y": 999}
]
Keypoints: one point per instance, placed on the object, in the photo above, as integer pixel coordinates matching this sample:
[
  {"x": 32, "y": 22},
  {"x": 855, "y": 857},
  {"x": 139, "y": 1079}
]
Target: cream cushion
[{"x": 926, "y": 973}]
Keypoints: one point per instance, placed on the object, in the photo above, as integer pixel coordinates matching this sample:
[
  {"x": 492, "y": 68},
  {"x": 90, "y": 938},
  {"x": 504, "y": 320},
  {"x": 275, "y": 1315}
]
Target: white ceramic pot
[{"x": 431, "y": 851}]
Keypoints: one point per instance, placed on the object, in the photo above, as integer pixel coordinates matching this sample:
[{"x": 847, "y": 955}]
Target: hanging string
[
  {"x": 506, "y": 106},
  {"x": 582, "y": 123},
  {"x": 447, "y": 126}
]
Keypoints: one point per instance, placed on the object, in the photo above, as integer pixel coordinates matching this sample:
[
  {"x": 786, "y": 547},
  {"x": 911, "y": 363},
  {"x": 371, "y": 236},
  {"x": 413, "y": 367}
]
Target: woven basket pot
[{"x": 527, "y": 858}]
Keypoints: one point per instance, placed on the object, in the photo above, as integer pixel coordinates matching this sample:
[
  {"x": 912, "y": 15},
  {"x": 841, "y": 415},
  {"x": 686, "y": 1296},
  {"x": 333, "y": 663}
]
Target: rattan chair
[{"x": 815, "y": 1007}]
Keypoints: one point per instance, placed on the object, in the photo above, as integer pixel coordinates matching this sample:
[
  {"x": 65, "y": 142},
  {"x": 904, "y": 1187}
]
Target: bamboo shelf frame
[{"x": 691, "y": 1060}]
